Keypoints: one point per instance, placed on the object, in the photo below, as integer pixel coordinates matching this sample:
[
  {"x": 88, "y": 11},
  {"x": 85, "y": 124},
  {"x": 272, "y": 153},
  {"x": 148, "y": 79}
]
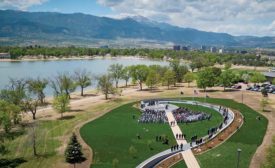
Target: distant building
[
  {"x": 244, "y": 52},
  {"x": 185, "y": 48},
  {"x": 203, "y": 48},
  {"x": 213, "y": 49},
  {"x": 221, "y": 51},
  {"x": 5, "y": 56},
  {"x": 176, "y": 47},
  {"x": 105, "y": 46}
]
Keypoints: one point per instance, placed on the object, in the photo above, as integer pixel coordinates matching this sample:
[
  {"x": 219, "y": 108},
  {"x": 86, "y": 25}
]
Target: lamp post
[{"x": 238, "y": 154}]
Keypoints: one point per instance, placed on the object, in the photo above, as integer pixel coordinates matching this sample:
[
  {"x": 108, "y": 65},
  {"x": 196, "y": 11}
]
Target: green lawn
[
  {"x": 111, "y": 136},
  {"x": 112, "y": 139},
  {"x": 248, "y": 138},
  {"x": 200, "y": 128},
  {"x": 49, "y": 134}
]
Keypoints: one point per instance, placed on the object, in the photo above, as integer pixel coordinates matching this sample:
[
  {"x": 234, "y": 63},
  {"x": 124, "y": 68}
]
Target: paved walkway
[
  {"x": 186, "y": 152},
  {"x": 188, "y": 156}
]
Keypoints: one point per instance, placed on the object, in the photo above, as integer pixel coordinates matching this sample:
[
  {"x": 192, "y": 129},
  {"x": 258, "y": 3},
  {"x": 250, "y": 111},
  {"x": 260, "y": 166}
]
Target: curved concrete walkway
[{"x": 187, "y": 154}]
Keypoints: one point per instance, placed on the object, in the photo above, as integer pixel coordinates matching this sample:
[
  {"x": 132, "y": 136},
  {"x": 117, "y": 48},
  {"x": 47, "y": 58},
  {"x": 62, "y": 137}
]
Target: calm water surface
[{"x": 47, "y": 69}]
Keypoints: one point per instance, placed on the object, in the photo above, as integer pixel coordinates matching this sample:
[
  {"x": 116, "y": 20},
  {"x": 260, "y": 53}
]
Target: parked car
[{"x": 237, "y": 86}]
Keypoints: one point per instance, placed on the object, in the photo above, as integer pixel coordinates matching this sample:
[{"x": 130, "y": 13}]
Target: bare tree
[
  {"x": 31, "y": 105},
  {"x": 116, "y": 71},
  {"x": 105, "y": 85},
  {"x": 63, "y": 83},
  {"x": 83, "y": 79},
  {"x": 37, "y": 87}
]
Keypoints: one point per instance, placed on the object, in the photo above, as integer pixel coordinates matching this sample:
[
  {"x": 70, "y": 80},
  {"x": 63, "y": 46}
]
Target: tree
[
  {"x": 32, "y": 135},
  {"x": 133, "y": 151},
  {"x": 227, "y": 65},
  {"x": 8, "y": 112},
  {"x": 139, "y": 73},
  {"x": 207, "y": 77},
  {"x": 31, "y": 105},
  {"x": 73, "y": 152},
  {"x": 153, "y": 79},
  {"x": 257, "y": 77},
  {"x": 189, "y": 77},
  {"x": 116, "y": 71},
  {"x": 37, "y": 87},
  {"x": 245, "y": 77},
  {"x": 227, "y": 78},
  {"x": 83, "y": 79},
  {"x": 159, "y": 69},
  {"x": 105, "y": 85},
  {"x": 126, "y": 75},
  {"x": 61, "y": 104},
  {"x": 264, "y": 102},
  {"x": 179, "y": 70},
  {"x": 63, "y": 83},
  {"x": 15, "y": 93},
  {"x": 168, "y": 78}
]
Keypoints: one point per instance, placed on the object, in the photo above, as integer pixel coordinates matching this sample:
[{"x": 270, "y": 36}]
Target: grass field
[
  {"x": 200, "y": 128},
  {"x": 248, "y": 138},
  {"x": 49, "y": 134},
  {"x": 111, "y": 136}
]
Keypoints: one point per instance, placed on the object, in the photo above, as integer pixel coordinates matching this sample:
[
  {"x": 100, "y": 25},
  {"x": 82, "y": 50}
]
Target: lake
[{"x": 48, "y": 69}]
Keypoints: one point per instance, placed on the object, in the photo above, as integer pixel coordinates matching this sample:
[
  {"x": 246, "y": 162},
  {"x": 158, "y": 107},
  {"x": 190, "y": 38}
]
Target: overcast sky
[{"x": 236, "y": 17}]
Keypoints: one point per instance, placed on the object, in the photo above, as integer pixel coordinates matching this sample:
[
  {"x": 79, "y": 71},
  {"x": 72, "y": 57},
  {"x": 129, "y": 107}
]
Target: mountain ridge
[{"x": 50, "y": 25}]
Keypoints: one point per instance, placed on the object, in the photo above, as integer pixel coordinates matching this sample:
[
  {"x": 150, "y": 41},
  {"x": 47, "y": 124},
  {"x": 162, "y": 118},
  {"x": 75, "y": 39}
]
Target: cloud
[
  {"x": 19, "y": 4},
  {"x": 238, "y": 17}
]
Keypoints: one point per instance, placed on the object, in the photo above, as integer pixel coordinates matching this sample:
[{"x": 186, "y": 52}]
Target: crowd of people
[
  {"x": 185, "y": 115},
  {"x": 180, "y": 136},
  {"x": 153, "y": 116},
  {"x": 176, "y": 147}
]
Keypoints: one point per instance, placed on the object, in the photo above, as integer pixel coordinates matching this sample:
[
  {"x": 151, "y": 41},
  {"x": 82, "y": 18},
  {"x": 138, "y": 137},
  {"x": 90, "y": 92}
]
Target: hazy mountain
[{"x": 49, "y": 25}]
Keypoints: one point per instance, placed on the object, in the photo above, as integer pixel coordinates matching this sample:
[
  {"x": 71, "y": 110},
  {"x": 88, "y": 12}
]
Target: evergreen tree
[{"x": 73, "y": 152}]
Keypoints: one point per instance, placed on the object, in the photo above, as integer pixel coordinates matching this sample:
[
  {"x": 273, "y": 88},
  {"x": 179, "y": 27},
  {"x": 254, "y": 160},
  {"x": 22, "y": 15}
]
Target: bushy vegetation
[{"x": 199, "y": 59}]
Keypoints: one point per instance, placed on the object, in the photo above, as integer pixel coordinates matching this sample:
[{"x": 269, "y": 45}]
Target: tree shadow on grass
[
  {"x": 209, "y": 91},
  {"x": 66, "y": 118},
  {"x": 12, "y": 135},
  {"x": 154, "y": 90},
  {"x": 231, "y": 90},
  {"x": 90, "y": 95},
  {"x": 75, "y": 110},
  {"x": 11, "y": 163},
  {"x": 171, "y": 88}
]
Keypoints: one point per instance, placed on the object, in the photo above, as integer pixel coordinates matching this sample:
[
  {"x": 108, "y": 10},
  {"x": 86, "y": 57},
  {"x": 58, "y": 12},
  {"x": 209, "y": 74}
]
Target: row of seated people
[
  {"x": 185, "y": 115},
  {"x": 153, "y": 116}
]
